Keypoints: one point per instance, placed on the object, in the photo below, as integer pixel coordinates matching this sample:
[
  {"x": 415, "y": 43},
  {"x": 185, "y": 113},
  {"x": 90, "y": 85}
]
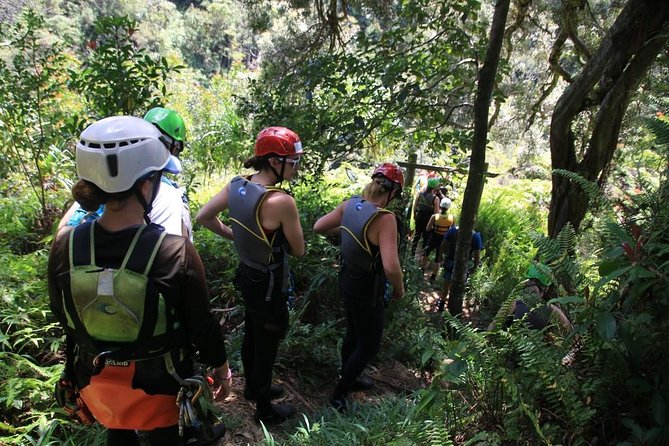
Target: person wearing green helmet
[
  {"x": 533, "y": 306},
  {"x": 425, "y": 205},
  {"x": 171, "y": 125},
  {"x": 171, "y": 206},
  {"x": 539, "y": 284}
]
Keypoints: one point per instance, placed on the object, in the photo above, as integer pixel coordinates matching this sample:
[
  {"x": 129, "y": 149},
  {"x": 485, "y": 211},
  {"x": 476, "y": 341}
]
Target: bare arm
[
  {"x": 208, "y": 215},
  {"x": 387, "y": 227},
  {"x": 561, "y": 317},
  {"x": 330, "y": 222},
  {"x": 435, "y": 204},
  {"x": 292, "y": 228},
  {"x": 430, "y": 224}
]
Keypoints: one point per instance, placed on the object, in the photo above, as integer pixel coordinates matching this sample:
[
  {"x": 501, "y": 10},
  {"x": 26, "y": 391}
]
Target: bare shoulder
[
  {"x": 280, "y": 200},
  {"x": 387, "y": 218}
]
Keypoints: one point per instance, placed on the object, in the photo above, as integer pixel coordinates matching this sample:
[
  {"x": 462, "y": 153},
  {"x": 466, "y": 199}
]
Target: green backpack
[{"x": 117, "y": 312}]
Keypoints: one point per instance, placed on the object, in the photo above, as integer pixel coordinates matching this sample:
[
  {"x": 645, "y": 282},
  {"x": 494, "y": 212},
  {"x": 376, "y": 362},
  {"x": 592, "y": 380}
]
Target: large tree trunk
[
  {"x": 477, "y": 166},
  {"x": 605, "y": 85}
]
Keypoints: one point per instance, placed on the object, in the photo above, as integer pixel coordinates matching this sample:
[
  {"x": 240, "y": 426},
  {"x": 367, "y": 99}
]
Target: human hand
[{"x": 398, "y": 293}]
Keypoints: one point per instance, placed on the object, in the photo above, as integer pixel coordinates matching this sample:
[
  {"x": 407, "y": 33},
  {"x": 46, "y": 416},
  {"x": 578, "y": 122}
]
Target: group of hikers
[
  {"x": 436, "y": 228},
  {"x": 143, "y": 349},
  {"x": 144, "y": 354}
]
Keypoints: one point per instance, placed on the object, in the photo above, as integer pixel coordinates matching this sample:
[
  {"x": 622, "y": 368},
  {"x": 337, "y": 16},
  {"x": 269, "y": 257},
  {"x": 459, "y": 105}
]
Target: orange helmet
[
  {"x": 390, "y": 171},
  {"x": 278, "y": 141}
]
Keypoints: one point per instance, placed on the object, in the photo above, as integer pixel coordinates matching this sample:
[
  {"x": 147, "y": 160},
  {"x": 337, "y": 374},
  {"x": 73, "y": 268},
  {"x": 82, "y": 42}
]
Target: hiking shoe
[
  {"x": 339, "y": 403},
  {"x": 276, "y": 413},
  {"x": 362, "y": 382},
  {"x": 197, "y": 436},
  {"x": 275, "y": 391}
]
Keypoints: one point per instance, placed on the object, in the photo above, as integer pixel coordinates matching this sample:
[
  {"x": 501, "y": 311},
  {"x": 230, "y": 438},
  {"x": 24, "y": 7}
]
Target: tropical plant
[
  {"x": 34, "y": 122},
  {"x": 117, "y": 76}
]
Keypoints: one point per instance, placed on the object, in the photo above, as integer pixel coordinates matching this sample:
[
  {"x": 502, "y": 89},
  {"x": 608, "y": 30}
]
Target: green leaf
[
  {"x": 427, "y": 400},
  {"x": 659, "y": 408},
  {"x": 606, "y": 325},
  {"x": 567, "y": 300}
]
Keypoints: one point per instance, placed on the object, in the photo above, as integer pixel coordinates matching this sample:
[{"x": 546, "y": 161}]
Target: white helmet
[
  {"x": 115, "y": 152},
  {"x": 445, "y": 203}
]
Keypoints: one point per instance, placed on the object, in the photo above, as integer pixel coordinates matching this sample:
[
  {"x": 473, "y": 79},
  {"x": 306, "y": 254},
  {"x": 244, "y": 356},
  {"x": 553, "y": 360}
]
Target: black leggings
[
  {"x": 364, "y": 328},
  {"x": 420, "y": 232},
  {"x": 434, "y": 242},
  {"x": 164, "y": 436},
  {"x": 265, "y": 324}
]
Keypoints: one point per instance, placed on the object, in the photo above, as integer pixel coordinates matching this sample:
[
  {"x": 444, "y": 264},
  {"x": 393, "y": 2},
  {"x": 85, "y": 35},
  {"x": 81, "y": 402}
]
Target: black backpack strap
[
  {"x": 81, "y": 252},
  {"x": 82, "y": 245}
]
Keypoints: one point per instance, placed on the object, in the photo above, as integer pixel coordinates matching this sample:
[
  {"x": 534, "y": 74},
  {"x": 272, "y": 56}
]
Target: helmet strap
[
  {"x": 279, "y": 176},
  {"x": 148, "y": 206}
]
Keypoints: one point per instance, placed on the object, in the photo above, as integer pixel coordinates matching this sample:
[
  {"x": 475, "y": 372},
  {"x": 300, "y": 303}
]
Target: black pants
[
  {"x": 265, "y": 326},
  {"x": 419, "y": 232},
  {"x": 164, "y": 436},
  {"x": 364, "y": 328}
]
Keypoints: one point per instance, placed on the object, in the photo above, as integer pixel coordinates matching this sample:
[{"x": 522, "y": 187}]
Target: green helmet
[
  {"x": 540, "y": 272},
  {"x": 170, "y": 124},
  {"x": 432, "y": 183}
]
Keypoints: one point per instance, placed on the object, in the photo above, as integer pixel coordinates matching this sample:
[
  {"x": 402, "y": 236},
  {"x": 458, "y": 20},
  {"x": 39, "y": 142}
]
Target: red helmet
[
  {"x": 279, "y": 141},
  {"x": 390, "y": 171}
]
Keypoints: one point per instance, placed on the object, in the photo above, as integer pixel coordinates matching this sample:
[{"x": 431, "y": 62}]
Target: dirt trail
[{"x": 389, "y": 378}]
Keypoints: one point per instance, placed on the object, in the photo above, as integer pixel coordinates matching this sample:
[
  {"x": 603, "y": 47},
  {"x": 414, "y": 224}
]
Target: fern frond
[{"x": 591, "y": 189}]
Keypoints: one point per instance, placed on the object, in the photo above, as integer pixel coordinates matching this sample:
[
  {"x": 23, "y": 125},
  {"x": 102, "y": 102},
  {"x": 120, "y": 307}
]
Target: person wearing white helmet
[
  {"x": 170, "y": 207},
  {"x": 132, "y": 299},
  {"x": 437, "y": 226}
]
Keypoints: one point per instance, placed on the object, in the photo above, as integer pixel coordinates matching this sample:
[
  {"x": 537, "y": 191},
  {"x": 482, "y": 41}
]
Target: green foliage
[
  {"x": 393, "y": 422},
  {"x": 118, "y": 77},
  {"x": 371, "y": 99},
  {"x": 628, "y": 320},
  {"x": 33, "y": 117},
  {"x": 217, "y": 139},
  {"x": 523, "y": 394},
  {"x": 507, "y": 219}
]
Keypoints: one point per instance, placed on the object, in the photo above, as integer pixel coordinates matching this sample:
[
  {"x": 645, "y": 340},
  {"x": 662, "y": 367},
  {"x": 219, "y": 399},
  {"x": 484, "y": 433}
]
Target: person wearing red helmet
[
  {"x": 265, "y": 228},
  {"x": 369, "y": 250}
]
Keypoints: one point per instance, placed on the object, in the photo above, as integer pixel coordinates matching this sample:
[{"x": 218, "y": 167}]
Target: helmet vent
[
  {"x": 110, "y": 145},
  {"x": 123, "y": 143},
  {"x": 112, "y": 165},
  {"x": 93, "y": 145}
]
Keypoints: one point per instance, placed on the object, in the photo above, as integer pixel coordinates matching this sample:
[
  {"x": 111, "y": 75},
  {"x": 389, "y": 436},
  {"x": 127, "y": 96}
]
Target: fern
[
  {"x": 433, "y": 434},
  {"x": 591, "y": 189},
  {"x": 660, "y": 129}
]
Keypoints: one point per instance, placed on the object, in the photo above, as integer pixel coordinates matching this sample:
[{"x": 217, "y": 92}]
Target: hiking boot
[
  {"x": 362, "y": 382},
  {"x": 275, "y": 413},
  {"x": 197, "y": 436},
  {"x": 340, "y": 403},
  {"x": 275, "y": 391}
]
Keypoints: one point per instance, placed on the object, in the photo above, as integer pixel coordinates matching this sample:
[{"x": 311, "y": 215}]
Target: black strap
[{"x": 81, "y": 254}]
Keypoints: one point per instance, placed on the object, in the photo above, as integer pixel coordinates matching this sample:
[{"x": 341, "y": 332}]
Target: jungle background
[{"x": 547, "y": 116}]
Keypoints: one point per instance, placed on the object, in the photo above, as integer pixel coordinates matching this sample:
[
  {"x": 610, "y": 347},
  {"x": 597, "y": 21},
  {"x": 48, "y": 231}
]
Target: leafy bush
[{"x": 507, "y": 221}]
